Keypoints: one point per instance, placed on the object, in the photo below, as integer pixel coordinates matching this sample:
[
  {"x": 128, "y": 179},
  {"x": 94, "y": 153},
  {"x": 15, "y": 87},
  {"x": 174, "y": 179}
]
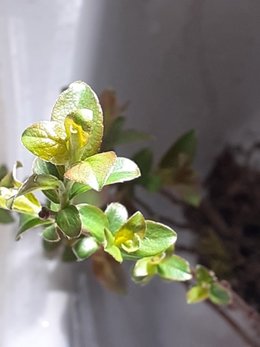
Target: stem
[{"x": 234, "y": 325}]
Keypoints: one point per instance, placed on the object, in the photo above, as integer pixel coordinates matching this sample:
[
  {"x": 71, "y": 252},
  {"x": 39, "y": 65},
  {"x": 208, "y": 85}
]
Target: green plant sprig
[{"x": 68, "y": 163}]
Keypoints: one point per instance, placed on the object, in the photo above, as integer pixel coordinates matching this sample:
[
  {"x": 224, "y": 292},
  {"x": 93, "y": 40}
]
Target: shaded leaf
[
  {"x": 50, "y": 233},
  {"x": 68, "y": 220},
  {"x": 41, "y": 167},
  {"x": 28, "y": 222},
  {"x": 93, "y": 220},
  {"x": 39, "y": 182},
  {"x": 219, "y": 295},
  {"x": 5, "y": 217},
  {"x": 174, "y": 268},
  {"x": 85, "y": 247}
]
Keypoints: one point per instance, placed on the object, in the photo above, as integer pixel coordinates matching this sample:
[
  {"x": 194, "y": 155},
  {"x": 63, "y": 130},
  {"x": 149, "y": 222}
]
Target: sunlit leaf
[
  {"x": 197, "y": 294},
  {"x": 204, "y": 275},
  {"x": 94, "y": 171},
  {"x": 77, "y": 97},
  {"x": 123, "y": 170},
  {"x": 111, "y": 248},
  {"x": 47, "y": 140},
  {"x": 117, "y": 215}
]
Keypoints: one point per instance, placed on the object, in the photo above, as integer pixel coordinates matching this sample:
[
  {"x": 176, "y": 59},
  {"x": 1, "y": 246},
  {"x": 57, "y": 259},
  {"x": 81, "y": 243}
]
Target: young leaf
[
  {"x": 50, "y": 233},
  {"x": 197, "y": 294},
  {"x": 77, "y": 97},
  {"x": 36, "y": 182},
  {"x": 85, "y": 247},
  {"x": 219, "y": 295},
  {"x": 158, "y": 237},
  {"x": 94, "y": 171},
  {"x": 41, "y": 167},
  {"x": 93, "y": 220},
  {"x": 129, "y": 235},
  {"x": 174, "y": 268},
  {"x": 5, "y": 217},
  {"x": 28, "y": 222},
  {"x": 117, "y": 215},
  {"x": 185, "y": 145},
  {"x": 204, "y": 275},
  {"x": 47, "y": 140},
  {"x": 10, "y": 180},
  {"x": 123, "y": 170},
  {"x": 68, "y": 220},
  {"x": 110, "y": 247},
  {"x": 144, "y": 270}
]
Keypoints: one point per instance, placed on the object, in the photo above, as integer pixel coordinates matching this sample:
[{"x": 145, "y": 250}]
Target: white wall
[{"x": 183, "y": 64}]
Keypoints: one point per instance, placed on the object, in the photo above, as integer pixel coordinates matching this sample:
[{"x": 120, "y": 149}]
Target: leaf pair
[
  {"x": 103, "y": 169},
  {"x": 75, "y": 130},
  {"x": 207, "y": 287}
]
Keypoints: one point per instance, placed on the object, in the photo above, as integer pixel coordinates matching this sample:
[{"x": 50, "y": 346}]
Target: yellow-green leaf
[
  {"x": 47, "y": 140},
  {"x": 197, "y": 294}
]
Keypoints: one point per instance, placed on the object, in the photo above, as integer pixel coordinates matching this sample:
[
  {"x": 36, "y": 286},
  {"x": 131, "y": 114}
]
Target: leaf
[
  {"x": 50, "y": 233},
  {"x": 23, "y": 204},
  {"x": 47, "y": 140},
  {"x": 93, "y": 220},
  {"x": 123, "y": 170},
  {"x": 85, "y": 247},
  {"x": 80, "y": 96},
  {"x": 131, "y": 135},
  {"x": 144, "y": 267},
  {"x": 94, "y": 171},
  {"x": 68, "y": 255},
  {"x": 158, "y": 237},
  {"x": 129, "y": 235},
  {"x": 3, "y": 171},
  {"x": 39, "y": 182},
  {"x": 144, "y": 160},
  {"x": 197, "y": 294},
  {"x": 5, "y": 217},
  {"x": 52, "y": 195},
  {"x": 219, "y": 295},
  {"x": 77, "y": 189},
  {"x": 41, "y": 167},
  {"x": 10, "y": 180},
  {"x": 110, "y": 247},
  {"x": 174, "y": 268},
  {"x": 68, "y": 220},
  {"x": 28, "y": 222},
  {"x": 185, "y": 145},
  {"x": 117, "y": 215},
  {"x": 204, "y": 275}
]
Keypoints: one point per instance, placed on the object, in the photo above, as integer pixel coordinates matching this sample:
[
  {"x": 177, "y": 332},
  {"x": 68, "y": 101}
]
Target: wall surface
[{"x": 183, "y": 64}]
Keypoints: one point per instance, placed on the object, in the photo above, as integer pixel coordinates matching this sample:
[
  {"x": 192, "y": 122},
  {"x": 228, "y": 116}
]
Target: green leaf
[
  {"x": 204, "y": 275},
  {"x": 197, "y": 294},
  {"x": 219, "y": 295},
  {"x": 50, "y": 233},
  {"x": 10, "y": 180},
  {"x": 68, "y": 220},
  {"x": 129, "y": 235},
  {"x": 5, "y": 217},
  {"x": 174, "y": 268},
  {"x": 94, "y": 171},
  {"x": 144, "y": 160},
  {"x": 68, "y": 254},
  {"x": 39, "y": 182},
  {"x": 123, "y": 170},
  {"x": 117, "y": 215},
  {"x": 144, "y": 270},
  {"x": 52, "y": 195},
  {"x": 41, "y": 167},
  {"x": 158, "y": 237},
  {"x": 93, "y": 220},
  {"x": 3, "y": 171},
  {"x": 77, "y": 189},
  {"x": 77, "y": 97},
  {"x": 110, "y": 247},
  {"x": 85, "y": 247},
  {"x": 185, "y": 145},
  {"x": 28, "y": 222},
  {"x": 48, "y": 141}
]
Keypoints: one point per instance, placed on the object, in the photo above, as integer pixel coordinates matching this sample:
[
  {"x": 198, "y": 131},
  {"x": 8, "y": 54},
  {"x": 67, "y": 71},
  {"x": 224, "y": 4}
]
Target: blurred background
[{"x": 181, "y": 64}]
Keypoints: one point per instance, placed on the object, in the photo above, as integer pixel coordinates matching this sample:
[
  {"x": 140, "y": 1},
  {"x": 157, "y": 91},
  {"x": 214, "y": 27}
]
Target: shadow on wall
[{"x": 183, "y": 64}]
